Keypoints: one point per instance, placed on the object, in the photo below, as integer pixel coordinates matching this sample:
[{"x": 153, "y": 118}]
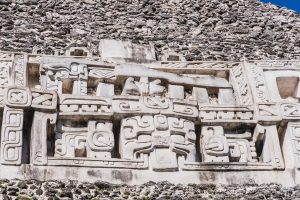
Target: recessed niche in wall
[
  {"x": 287, "y": 86},
  {"x": 213, "y": 95}
]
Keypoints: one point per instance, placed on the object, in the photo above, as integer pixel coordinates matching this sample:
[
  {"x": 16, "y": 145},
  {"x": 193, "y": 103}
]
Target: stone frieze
[{"x": 166, "y": 117}]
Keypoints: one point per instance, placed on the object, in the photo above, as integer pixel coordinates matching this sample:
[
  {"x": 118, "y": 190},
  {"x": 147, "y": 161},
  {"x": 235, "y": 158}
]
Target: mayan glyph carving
[
  {"x": 94, "y": 141},
  {"x": 215, "y": 147},
  {"x": 164, "y": 139},
  {"x": 70, "y": 142},
  {"x": 65, "y": 77},
  {"x": 161, "y": 117},
  {"x": 219, "y": 146},
  {"x": 100, "y": 139}
]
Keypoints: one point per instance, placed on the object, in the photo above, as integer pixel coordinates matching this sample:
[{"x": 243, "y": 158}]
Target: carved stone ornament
[
  {"x": 17, "y": 97},
  {"x": 123, "y": 119}
]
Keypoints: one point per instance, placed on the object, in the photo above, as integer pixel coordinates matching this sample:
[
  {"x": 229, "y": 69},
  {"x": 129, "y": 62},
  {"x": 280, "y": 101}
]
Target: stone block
[
  {"x": 105, "y": 90},
  {"x": 176, "y": 91},
  {"x": 226, "y": 97},
  {"x": 125, "y": 51},
  {"x": 200, "y": 94}
]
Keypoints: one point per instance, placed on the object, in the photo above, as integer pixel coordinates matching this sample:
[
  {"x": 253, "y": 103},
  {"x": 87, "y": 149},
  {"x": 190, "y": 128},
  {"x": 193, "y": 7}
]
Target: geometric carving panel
[
  {"x": 290, "y": 110},
  {"x": 19, "y": 97},
  {"x": 42, "y": 99},
  {"x": 11, "y": 136}
]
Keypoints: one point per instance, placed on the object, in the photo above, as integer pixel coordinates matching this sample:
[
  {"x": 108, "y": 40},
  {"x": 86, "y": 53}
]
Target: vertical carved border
[
  {"x": 240, "y": 80},
  {"x": 257, "y": 80},
  {"x": 15, "y": 101},
  {"x": 39, "y": 137},
  {"x": 20, "y": 70},
  {"x": 291, "y": 145},
  {"x": 12, "y": 136},
  {"x": 274, "y": 146},
  {"x": 6, "y": 63}
]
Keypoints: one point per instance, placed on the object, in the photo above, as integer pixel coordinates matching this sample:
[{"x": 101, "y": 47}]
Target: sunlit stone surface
[{"x": 129, "y": 118}]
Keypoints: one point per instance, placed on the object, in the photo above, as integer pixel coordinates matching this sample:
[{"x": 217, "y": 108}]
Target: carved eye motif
[{"x": 102, "y": 139}]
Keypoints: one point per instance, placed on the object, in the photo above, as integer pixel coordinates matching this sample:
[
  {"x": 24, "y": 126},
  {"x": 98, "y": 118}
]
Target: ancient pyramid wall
[
  {"x": 200, "y": 30},
  {"x": 32, "y": 189}
]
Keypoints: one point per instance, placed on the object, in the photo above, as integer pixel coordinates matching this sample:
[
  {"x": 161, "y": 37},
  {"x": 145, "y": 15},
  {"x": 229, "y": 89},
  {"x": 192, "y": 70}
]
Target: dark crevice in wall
[{"x": 28, "y": 119}]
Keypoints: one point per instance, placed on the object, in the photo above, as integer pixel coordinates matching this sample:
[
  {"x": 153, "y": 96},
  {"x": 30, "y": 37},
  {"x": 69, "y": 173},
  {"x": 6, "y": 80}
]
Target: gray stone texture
[
  {"x": 91, "y": 90},
  {"x": 200, "y": 30},
  {"x": 32, "y": 189}
]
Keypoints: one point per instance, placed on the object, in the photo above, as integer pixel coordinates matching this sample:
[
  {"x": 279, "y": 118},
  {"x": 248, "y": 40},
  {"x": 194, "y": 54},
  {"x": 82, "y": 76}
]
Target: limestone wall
[
  {"x": 150, "y": 109},
  {"x": 32, "y": 189},
  {"x": 200, "y": 30}
]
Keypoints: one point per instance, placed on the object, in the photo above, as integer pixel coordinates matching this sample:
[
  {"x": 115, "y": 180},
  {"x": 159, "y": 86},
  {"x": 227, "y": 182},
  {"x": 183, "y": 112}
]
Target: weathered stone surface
[
  {"x": 121, "y": 51},
  {"x": 87, "y": 119},
  {"x": 200, "y": 30},
  {"x": 149, "y": 190},
  {"x": 135, "y": 109}
]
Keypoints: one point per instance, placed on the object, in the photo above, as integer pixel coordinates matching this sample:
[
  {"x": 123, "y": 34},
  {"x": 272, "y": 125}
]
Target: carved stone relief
[
  {"x": 94, "y": 141},
  {"x": 11, "y": 136},
  {"x": 242, "y": 85},
  {"x": 5, "y": 67},
  {"x": 291, "y": 145},
  {"x": 172, "y": 116},
  {"x": 256, "y": 76},
  {"x": 167, "y": 140}
]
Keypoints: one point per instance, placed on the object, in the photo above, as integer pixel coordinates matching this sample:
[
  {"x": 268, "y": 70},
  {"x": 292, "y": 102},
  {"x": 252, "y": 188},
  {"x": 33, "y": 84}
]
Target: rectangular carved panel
[
  {"x": 164, "y": 139},
  {"x": 12, "y": 136},
  {"x": 176, "y": 116}
]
